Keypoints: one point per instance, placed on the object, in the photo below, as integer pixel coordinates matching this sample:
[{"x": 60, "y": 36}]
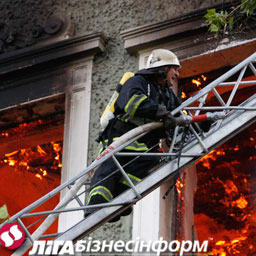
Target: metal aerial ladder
[{"x": 198, "y": 143}]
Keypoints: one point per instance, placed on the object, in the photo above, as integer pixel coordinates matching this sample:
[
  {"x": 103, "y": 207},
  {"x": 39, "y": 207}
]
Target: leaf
[
  {"x": 214, "y": 28},
  {"x": 231, "y": 22},
  {"x": 4, "y": 212},
  {"x": 248, "y": 7},
  {"x": 210, "y": 13},
  {"x": 223, "y": 21}
]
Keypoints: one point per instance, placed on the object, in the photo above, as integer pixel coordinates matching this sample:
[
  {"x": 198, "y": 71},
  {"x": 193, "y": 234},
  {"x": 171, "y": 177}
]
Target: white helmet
[{"x": 162, "y": 57}]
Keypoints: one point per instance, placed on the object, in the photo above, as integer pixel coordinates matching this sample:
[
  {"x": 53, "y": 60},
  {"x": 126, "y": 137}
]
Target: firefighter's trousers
[{"x": 107, "y": 182}]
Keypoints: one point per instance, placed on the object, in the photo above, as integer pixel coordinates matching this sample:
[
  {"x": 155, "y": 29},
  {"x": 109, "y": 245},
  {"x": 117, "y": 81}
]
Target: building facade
[{"x": 60, "y": 62}]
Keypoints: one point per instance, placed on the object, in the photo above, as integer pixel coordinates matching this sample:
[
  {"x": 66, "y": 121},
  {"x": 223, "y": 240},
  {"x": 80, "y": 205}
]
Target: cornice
[
  {"x": 88, "y": 44},
  {"x": 151, "y": 34},
  {"x": 146, "y": 36}
]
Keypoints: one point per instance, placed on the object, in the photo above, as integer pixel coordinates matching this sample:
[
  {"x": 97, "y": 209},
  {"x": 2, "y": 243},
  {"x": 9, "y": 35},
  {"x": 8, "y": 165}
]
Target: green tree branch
[{"x": 223, "y": 22}]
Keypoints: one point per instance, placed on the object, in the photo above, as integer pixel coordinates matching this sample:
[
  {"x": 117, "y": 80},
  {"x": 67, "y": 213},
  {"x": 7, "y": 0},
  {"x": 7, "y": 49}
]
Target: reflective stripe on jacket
[
  {"x": 102, "y": 191},
  {"x": 133, "y": 103},
  {"x": 134, "y": 146},
  {"x": 137, "y": 104},
  {"x": 135, "y": 180}
]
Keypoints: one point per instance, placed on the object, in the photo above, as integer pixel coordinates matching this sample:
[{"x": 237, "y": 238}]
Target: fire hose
[
  {"x": 209, "y": 116},
  {"x": 186, "y": 120},
  {"x": 182, "y": 120}
]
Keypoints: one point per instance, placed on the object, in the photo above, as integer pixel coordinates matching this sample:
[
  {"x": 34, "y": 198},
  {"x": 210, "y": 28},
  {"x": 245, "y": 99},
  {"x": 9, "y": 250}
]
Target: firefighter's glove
[
  {"x": 215, "y": 116},
  {"x": 169, "y": 121},
  {"x": 184, "y": 120}
]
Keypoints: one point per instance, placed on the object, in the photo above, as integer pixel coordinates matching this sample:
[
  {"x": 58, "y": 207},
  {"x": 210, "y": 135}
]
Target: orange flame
[
  {"x": 40, "y": 150},
  {"x": 57, "y": 148},
  {"x": 236, "y": 148},
  {"x": 241, "y": 202},
  {"x": 199, "y": 80},
  {"x": 230, "y": 187},
  {"x": 39, "y": 176},
  {"x": 12, "y": 153},
  {"x": 229, "y": 245},
  {"x": 11, "y": 162},
  {"x": 196, "y": 82},
  {"x": 32, "y": 159},
  {"x": 211, "y": 156},
  {"x": 235, "y": 200},
  {"x": 179, "y": 187},
  {"x": 204, "y": 77},
  {"x": 183, "y": 95},
  {"x": 220, "y": 243}
]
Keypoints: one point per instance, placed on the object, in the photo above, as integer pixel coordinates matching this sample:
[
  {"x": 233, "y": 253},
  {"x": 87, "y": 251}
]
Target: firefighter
[{"x": 148, "y": 96}]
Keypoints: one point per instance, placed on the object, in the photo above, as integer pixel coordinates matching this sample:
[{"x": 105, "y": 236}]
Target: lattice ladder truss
[{"x": 197, "y": 144}]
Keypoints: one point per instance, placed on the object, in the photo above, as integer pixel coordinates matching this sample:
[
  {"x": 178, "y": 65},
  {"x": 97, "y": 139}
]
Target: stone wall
[{"x": 110, "y": 16}]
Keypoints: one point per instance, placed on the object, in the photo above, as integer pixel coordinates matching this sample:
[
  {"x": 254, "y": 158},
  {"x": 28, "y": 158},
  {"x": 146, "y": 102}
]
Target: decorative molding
[
  {"x": 88, "y": 44},
  {"x": 78, "y": 76},
  {"x": 49, "y": 68},
  {"x": 187, "y": 35},
  {"x": 149, "y": 35},
  {"x": 56, "y": 27},
  {"x": 76, "y": 133}
]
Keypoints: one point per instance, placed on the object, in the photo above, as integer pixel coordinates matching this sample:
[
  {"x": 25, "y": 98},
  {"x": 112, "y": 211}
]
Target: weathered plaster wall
[{"x": 110, "y": 16}]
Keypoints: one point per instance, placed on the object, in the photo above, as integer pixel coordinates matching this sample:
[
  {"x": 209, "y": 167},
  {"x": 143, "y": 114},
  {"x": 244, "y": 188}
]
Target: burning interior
[
  {"x": 225, "y": 200},
  {"x": 225, "y": 194},
  {"x": 31, "y": 140}
]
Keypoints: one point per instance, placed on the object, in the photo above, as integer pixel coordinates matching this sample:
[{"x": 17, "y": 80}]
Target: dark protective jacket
[{"x": 141, "y": 100}]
